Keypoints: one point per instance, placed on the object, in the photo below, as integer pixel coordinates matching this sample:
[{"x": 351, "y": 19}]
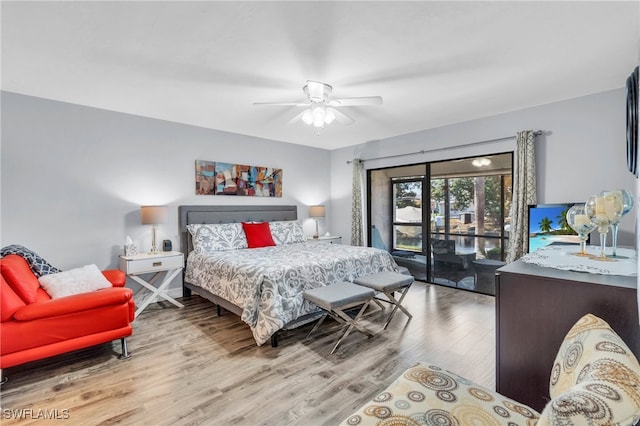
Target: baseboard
[{"x": 175, "y": 292}]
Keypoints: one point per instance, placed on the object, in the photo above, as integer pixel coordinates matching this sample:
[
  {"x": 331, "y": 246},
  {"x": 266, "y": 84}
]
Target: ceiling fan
[{"x": 321, "y": 108}]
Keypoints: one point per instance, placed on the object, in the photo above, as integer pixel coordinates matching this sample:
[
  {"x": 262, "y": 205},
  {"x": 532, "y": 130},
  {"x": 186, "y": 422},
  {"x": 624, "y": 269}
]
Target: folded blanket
[{"x": 38, "y": 265}]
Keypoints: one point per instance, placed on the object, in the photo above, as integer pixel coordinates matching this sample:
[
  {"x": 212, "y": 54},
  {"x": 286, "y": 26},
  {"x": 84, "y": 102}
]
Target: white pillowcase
[
  {"x": 74, "y": 281},
  {"x": 217, "y": 237},
  {"x": 287, "y": 232}
]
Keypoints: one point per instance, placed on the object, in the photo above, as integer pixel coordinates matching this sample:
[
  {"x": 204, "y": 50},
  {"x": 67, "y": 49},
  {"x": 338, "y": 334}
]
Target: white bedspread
[{"x": 267, "y": 283}]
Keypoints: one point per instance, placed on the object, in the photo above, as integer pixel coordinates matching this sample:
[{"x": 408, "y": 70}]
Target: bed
[{"x": 264, "y": 285}]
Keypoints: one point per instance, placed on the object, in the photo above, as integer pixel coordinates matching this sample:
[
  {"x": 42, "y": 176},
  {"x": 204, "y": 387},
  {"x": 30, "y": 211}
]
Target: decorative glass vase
[
  {"x": 578, "y": 220},
  {"x": 603, "y": 210},
  {"x": 626, "y": 198}
]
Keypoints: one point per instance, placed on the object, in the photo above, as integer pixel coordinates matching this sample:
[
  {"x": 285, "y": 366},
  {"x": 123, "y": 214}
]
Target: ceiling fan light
[
  {"x": 318, "y": 117},
  {"x": 481, "y": 162},
  {"x": 307, "y": 117},
  {"x": 329, "y": 116},
  {"x": 318, "y": 123}
]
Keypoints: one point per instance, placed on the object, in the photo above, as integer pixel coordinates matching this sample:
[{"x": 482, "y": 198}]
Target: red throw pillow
[
  {"x": 10, "y": 302},
  {"x": 258, "y": 234},
  {"x": 20, "y": 277}
]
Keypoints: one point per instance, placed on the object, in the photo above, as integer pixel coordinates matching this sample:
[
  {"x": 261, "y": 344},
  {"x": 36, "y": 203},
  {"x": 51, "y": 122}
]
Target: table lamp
[
  {"x": 154, "y": 215},
  {"x": 316, "y": 212}
]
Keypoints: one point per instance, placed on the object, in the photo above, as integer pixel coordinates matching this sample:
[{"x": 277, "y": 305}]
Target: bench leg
[
  {"x": 353, "y": 323},
  {"x": 397, "y": 305},
  {"x": 315, "y": 327},
  {"x": 380, "y": 305}
]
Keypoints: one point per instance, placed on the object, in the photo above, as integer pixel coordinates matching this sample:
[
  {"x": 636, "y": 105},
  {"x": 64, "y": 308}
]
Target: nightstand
[
  {"x": 332, "y": 239},
  {"x": 163, "y": 265}
]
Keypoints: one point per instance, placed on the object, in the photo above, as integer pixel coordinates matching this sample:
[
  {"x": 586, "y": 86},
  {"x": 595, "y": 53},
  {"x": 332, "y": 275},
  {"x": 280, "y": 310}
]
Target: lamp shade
[
  {"x": 153, "y": 215},
  {"x": 316, "y": 211}
]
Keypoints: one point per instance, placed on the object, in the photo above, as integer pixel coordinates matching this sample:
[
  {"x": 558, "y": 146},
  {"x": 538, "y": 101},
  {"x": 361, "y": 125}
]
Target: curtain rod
[{"x": 535, "y": 133}]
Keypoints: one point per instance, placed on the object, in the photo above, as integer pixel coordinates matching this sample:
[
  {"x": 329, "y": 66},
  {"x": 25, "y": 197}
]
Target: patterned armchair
[{"x": 595, "y": 381}]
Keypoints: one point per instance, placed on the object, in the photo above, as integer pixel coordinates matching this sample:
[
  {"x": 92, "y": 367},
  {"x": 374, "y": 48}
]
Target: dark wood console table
[{"x": 536, "y": 306}]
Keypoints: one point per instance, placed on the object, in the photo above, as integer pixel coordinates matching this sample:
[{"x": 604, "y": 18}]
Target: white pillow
[
  {"x": 74, "y": 281},
  {"x": 217, "y": 237},
  {"x": 287, "y": 232}
]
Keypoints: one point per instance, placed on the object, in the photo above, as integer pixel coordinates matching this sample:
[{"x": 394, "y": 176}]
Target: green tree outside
[
  {"x": 461, "y": 190},
  {"x": 545, "y": 224},
  {"x": 408, "y": 194},
  {"x": 562, "y": 221}
]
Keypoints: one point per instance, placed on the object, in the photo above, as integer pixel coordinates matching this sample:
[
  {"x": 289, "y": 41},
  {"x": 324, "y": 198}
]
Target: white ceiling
[{"x": 205, "y": 63}]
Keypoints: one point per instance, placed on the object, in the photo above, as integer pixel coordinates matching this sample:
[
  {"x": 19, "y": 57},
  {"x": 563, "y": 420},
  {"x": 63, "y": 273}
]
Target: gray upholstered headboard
[{"x": 229, "y": 214}]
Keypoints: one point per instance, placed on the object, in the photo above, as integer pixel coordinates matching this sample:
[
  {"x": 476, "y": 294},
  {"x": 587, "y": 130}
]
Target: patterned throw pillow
[
  {"x": 595, "y": 378},
  {"x": 287, "y": 232},
  {"x": 217, "y": 237},
  {"x": 38, "y": 265},
  {"x": 428, "y": 395}
]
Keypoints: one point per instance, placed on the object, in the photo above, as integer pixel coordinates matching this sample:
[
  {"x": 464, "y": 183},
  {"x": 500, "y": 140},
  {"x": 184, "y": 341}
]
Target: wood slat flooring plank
[{"x": 192, "y": 367}]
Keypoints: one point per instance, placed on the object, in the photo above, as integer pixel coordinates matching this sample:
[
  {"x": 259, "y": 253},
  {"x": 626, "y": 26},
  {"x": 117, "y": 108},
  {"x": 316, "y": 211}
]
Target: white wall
[
  {"x": 582, "y": 152},
  {"x": 74, "y": 177}
]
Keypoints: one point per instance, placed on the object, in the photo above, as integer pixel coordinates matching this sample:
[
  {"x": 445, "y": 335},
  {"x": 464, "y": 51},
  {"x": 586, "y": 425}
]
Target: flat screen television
[{"x": 548, "y": 225}]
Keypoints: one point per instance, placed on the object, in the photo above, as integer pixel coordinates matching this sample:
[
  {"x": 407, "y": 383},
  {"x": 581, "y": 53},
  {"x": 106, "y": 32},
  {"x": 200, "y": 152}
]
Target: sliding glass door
[
  {"x": 448, "y": 225},
  {"x": 468, "y": 234}
]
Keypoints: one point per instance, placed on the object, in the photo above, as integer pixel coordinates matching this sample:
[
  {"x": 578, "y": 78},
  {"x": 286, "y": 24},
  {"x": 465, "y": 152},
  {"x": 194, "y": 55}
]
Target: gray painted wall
[
  {"x": 74, "y": 177},
  {"x": 582, "y": 152}
]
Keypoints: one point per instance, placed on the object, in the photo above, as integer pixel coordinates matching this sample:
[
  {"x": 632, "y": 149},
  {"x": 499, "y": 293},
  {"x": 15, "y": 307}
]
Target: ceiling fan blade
[
  {"x": 298, "y": 104},
  {"x": 365, "y": 100},
  {"x": 341, "y": 117},
  {"x": 296, "y": 119}
]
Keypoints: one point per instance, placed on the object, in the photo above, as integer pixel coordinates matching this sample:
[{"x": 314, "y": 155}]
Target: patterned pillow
[
  {"x": 428, "y": 395},
  {"x": 217, "y": 237},
  {"x": 287, "y": 232},
  {"x": 595, "y": 378},
  {"x": 38, "y": 265}
]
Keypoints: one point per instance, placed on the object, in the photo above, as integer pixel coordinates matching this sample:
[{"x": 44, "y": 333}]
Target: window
[
  {"x": 407, "y": 214},
  {"x": 472, "y": 211}
]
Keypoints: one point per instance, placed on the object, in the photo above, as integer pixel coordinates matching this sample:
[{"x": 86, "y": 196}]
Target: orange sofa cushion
[
  {"x": 21, "y": 335},
  {"x": 116, "y": 277},
  {"x": 20, "y": 278},
  {"x": 10, "y": 302},
  {"x": 76, "y": 303}
]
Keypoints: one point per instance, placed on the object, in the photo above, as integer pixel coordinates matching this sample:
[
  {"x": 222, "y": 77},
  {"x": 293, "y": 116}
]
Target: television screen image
[{"x": 548, "y": 225}]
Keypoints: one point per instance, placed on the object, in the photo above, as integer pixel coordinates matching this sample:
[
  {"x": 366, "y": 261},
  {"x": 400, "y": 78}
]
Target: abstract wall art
[{"x": 217, "y": 178}]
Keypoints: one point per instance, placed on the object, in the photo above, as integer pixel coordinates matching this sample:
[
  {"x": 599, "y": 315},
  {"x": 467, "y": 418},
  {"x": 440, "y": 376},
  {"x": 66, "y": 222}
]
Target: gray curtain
[
  {"x": 524, "y": 193},
  {"x": 356, "y": 204}
]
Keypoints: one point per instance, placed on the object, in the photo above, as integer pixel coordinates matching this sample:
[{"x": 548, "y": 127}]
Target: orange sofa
[{"x": 35, "y": 326}]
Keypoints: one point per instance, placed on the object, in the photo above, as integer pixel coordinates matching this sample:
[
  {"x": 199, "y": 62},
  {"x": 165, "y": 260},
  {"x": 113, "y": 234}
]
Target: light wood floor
[{"x": 191, "y": 367}]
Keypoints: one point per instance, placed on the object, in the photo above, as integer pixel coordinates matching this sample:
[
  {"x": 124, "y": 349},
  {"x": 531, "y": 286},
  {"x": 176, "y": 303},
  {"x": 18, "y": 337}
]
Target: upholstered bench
[
  {"x": 334, "y": 299},
  {"x": 595, "y": 381},
  {"x": 404, "y": 270},
  {"x": 388, "y": 282}
]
